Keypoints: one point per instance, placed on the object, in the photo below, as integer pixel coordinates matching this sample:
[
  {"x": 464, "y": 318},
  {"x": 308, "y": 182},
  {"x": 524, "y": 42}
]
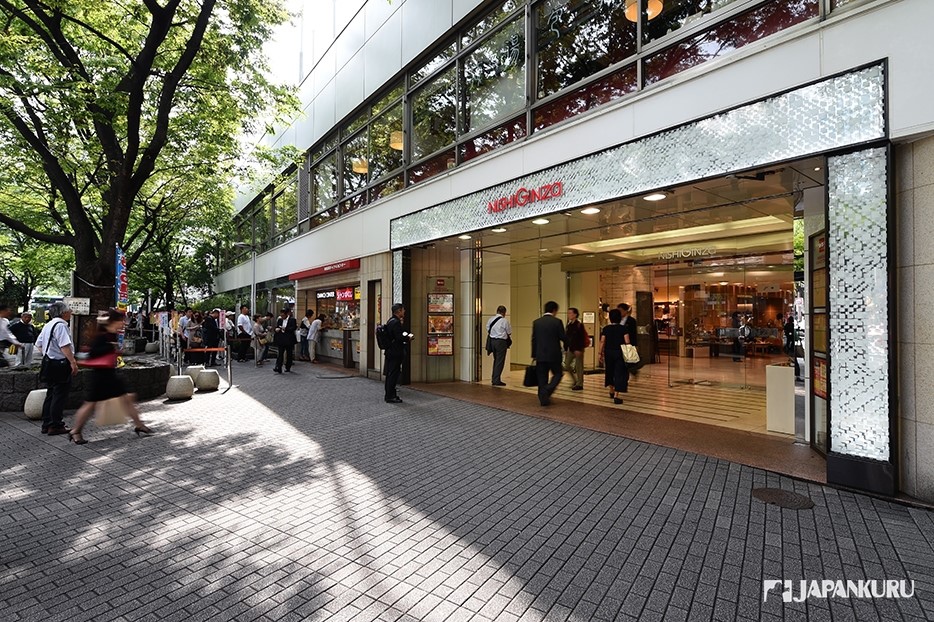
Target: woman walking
[
  {"x": 260, "y": 340},
  {"x": 616, "y": 374},
  {"x": 104, "y": 383}
]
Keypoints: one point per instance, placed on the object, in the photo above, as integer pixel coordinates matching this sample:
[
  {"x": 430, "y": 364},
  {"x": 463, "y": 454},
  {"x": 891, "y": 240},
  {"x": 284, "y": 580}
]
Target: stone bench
[
  {"x": 180, "y": 387},
  {"x": 208, "y": 380},
  {"x": 33, "y": 406}
]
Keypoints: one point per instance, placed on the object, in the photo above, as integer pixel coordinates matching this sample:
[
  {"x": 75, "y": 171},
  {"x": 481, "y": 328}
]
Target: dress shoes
[
  {"x": 499, "y": 384},
  {"x": 277, "y": 370},
  {"x": 577, "y": 388},
  {"x": 394, "y": 400},
  {"x": 56, "y": 430}
]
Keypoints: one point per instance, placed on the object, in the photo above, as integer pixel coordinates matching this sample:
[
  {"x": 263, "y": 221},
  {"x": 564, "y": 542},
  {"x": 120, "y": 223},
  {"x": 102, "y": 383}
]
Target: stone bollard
[
  {"x": 208, "y": 380},
  {"x": 193, "y": 371},
  {"x": 180, "y": 387},
  {"x": 33, "y": 406},
  {"x": 152, "y": 348}
]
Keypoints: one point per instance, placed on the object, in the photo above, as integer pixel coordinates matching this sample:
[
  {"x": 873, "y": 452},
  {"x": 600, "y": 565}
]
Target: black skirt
[{"x": 104, "y": 384}]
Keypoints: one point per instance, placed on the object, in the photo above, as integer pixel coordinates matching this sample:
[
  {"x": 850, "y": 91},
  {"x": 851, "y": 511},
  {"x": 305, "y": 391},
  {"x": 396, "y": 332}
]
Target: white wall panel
[
  {"x": 324, "y": 111},
  {"x": 324, "y": 72},
  {"x": 375, "y": 14},
  {"x": 321, "y": 21},
  {"x": 383, "y": 53},
  {"x": 423, "y": 22},
  {"x": 350, "y": 41},
  {"x": 462, "y": 7},
  {"x": 349, "y": 87},
  {"x": 305, "y": 129}
]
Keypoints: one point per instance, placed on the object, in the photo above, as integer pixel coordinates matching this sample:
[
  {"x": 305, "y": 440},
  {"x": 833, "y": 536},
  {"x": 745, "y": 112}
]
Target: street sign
[{"x": 79, "y": 306}]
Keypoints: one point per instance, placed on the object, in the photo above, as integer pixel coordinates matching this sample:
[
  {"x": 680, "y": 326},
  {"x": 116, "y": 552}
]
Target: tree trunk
[{"x": 96, "y": 277}]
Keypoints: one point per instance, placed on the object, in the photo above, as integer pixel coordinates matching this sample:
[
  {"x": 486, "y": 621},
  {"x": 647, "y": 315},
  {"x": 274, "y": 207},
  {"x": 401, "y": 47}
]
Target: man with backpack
[{"x": 394, "y": 340}]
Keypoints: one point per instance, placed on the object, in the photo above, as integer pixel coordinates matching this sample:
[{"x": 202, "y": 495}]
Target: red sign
[
  {"x": 345, "y": 294},
  {"x": 524, "y": 196},
  {"x": 340, "y": 266}
]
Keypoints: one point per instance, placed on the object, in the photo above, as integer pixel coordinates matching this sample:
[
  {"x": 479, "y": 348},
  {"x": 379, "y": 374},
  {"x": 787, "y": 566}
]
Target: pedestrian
[
  {"x": 211, "y": 329},
  {"x": 304, "y": 330},
  {"x": 499, "y": 331},
  {"x": 398, "y": 340},
  {"x": 612, "y": 338},
  {"x": 314, "y": 338},
  {"x": 577, "y": 340},
  {"x": 790, "y": 349},
  {"x": 103, "y": 381},
  {"x": 195, "y": 331},
  {"x": 244, "y": 333},
  {"x": 58, "y": 367},
  {"x": 183, "y": 323},
  {"x": 7, "y": 338},
  {"x": 548, "y": 343},
  {"x": 285, "y": 341},
  {"x": 260, "y": 340},
  {"x": 25, "y": 332}
]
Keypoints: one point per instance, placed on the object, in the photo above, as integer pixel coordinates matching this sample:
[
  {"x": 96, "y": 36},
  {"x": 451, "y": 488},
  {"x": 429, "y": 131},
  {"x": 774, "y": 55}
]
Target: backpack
[{"x": 383, "y": 339}]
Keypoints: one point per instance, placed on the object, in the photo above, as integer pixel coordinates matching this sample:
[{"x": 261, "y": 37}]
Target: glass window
[
  {"x": 836, "y": 4},
  {"x": 355, "y": 124},
  {"x": 287, "y": 204},
  {"x": 324, "y": 183},
  {"x": 488, "y": 141},
  {"x": 494, "y": 78},
  {"x": 356, "y": 163},
  {"x": 578, "y": 38},
  {"x": 599, "y": 92},
  {"x": 324, "y": 216},
  {"x": 384, "y": 189},
  {"x": 728, "y": 36},
  {"x": 354, "y": 202},
  {"x": 434, "y": 114},
  {"x": 386, "y": 143},
  {"x": 662, "y": 19},
  {"x": 433, "y": 65},
  {"x": 489, "y": 22},
  {"x": 388, "y": 100},
  {"x": 432, "y": 167},
  {"x": 261, "y": 223}
]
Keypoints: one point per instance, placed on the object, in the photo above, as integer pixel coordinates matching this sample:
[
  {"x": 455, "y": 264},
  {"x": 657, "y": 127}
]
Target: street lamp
[{"x": 253, "y": 281}]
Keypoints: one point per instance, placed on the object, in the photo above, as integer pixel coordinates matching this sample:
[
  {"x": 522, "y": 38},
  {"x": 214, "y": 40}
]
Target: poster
[
  {"x": 440, "y": 346},
  {"x": 440, "y": 303},
  {"x": 440, "y": 323},
  {"x": 819, "y": 377}
]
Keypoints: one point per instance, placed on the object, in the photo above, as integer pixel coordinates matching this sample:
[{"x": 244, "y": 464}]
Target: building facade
[{"x": 721, "y": 165}]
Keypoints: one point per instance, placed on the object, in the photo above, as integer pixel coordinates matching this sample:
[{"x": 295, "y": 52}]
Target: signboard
[
  {"x": 340, "y": 266},
  {"x": 122, "y": 284},
  {"x": 440, "y": 303},
  {"x": 525, "y": 196},
  {"x": 440, "y": 323},
  {"x": 588, "y": 317},
  {"x": 325, "y": 295},
  {"x": 819, "y": 377},
  {"x": 440, "y": 346},
  {"x": 79, "y": 306},
  {"x": 345, "y": 293}
]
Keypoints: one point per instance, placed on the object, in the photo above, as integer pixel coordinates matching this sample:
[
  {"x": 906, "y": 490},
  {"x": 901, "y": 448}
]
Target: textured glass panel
[
  {"x": 434, "y": 114},
  {"x": 489, "y": 22},
  {"x": 857, "y": 253},
  {"x": 729, "y": 36},
  {"x": 578, "y": 38},
  {"x": 664, "y": 18},
  {"x": 495, "y": 138},
  {"x": 304, "y": 191},
  {"x": 396, "y": 277},
  {"x": 841, "y": 111},
  {"x": 598, "y": 92},
  {"x": 494, "y": 78},
  {"x": 386, "y": 143}
]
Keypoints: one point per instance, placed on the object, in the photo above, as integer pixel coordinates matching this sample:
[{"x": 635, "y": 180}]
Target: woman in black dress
[
  {"x": 614, "y": 335},
  {"x": 104, "y": 383}
]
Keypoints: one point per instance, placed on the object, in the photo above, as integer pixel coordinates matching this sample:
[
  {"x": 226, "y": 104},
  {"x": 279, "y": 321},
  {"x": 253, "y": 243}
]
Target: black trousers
[
  {"x": 499, "y": 358},
  {"x": 53, "y": 408},
  {"x": 244, "y": 347},
  {"x": 393, "y": 369},
  {"x": 286, "y": 352},
  {"x": 546, "y": 388}
]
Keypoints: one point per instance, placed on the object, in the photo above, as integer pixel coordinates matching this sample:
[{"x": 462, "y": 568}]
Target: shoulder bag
[
  {"x": 489, "y": 340},
  {"x": 630, "y": 354}
]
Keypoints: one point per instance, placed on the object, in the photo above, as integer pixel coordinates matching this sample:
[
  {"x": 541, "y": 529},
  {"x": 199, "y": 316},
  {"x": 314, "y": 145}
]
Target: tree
[
  {"x": 109, "y": 102},
  {"x": 29, "y": 265}
]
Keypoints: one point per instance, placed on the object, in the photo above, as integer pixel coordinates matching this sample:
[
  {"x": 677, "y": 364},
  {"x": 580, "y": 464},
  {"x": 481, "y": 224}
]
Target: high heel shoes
[
  {"x": 76, "y": 438},
  {"x": 141, "y": 429}
]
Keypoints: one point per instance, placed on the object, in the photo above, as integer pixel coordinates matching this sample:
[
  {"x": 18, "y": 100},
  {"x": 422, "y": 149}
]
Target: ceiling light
[
  {"x": 540, "y": 221},
  {"x": 655, "y": 196},
  {"x": 589, "y": 256},
  {"x": 359, "y": 165},
  {"x": 724, "y": 282},
  {"x": 543, "y": 250},
  {"x": 589, "y": 211},
  {"x": 816, "y": 168},
  {"x": 567, "y": 253},
  {"x": 463, "y": 237},
  {"x": 499, "y": 230},
  {"x": 611, "y": 259},
  {"x": 652, "y": 9},
  {"x": 396, "y": 140}
]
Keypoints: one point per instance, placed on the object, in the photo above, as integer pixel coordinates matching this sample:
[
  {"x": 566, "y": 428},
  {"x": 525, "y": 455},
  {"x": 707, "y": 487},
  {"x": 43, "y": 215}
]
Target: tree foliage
[{"x": 120, "y": 118}]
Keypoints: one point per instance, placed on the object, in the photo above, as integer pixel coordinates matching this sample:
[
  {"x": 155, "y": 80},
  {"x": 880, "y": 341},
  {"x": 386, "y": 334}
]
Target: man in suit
[
  {"x": 284, "y": 339},
  {"x": 548, "y": 344},
  {"x": 212, "y": 335},
  {"x": 395, "y": 353}
]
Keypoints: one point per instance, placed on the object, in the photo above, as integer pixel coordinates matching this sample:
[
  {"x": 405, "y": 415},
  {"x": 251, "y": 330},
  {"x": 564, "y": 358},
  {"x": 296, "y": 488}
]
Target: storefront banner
[
  {"x": 340, "y": 266},
  {"x": 122, "y": 289}
]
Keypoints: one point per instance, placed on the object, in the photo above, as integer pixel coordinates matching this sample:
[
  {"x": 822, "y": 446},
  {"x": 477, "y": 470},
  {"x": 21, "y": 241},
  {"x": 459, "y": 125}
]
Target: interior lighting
[
  {"x": 652, "y": 9},
  {"x": 567, "y": 253},
  {"x": 540, "y": 221},
  {"x": 359, "y": 165},
  {"x": 396, "y": 140},
  {"x": 816, "y": 168},
  {"x": 724, "y": 282},
  {"x": 590, "y": 211},
  {"x": 463, "y": 237},
  {"x": 655, "y": 196},
  {"x": 499, "y": 230}
]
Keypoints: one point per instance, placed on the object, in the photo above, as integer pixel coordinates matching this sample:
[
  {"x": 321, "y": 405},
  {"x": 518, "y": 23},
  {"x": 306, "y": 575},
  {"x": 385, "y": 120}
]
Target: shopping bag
[
  {"x": 630, "y": 354},
  {"x": 531, "y": 377},
  {"x": 111, "y": 412}
]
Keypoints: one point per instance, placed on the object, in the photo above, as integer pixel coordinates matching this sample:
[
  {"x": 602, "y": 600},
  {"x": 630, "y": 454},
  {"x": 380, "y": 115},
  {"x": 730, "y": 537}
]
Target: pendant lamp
[
  {"x": 359, "y": 165},
  {"x": 652, "y": 9},
  {"x": 396, "y": 140}
]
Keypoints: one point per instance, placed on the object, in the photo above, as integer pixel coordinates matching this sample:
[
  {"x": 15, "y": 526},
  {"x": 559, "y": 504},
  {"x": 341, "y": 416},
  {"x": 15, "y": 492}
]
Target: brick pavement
[{"x": 306, "y": 497}]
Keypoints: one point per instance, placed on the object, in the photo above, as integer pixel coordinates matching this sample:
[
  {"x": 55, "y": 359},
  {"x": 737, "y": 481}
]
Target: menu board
[
  {"x": 440, "y": 323},
  {"x": 819, "y": 288},
  {"x": 440, "y": 346},
  {"x": 819, "y": 377},
  {"x": 440, "y": 303},
  {"x": 819, "y": 333}
]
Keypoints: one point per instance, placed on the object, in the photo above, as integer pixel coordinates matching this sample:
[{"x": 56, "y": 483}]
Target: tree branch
[{"x": 16, "y": 225}]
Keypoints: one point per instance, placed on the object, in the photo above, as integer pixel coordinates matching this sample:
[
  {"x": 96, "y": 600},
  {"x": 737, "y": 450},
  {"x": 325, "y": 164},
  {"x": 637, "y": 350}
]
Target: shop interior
[{"x": 696, "y": 262}]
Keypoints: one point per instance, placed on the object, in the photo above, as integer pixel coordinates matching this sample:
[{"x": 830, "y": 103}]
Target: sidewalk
[{"x": 306, "y": 497}]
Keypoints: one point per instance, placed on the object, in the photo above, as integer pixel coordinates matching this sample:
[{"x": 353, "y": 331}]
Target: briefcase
[{"x": 531, "y": 377}]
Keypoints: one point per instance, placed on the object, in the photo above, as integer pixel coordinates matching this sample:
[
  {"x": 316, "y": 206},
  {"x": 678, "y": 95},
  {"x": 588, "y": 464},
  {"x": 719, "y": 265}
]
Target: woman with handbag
[
  {"x": 613, "y": 336},
  {"x": 260, "y": 340},
  {"x": 104, "y": 382}
]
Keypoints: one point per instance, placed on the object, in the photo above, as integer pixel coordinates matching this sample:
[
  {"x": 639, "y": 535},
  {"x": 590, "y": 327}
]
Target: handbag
[
  {"x": 630, "y": 354},
  {"x": 489, "y": 339},
  {"x": 111, "y": 412},
  {"x": 107, "y": 361},
  {"x": 54, "y": 370},
  {"x": 531, "y": 377}
]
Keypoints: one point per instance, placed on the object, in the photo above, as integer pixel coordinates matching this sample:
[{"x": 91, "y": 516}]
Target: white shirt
[
  {"x": 61, "y": 337},
  {"x": 5, "y": 334},
  {"x": 314, "y": 329},
  {"x": 183, "y": 325},
  {"x": 501, "y": 330},
  {"x": 244, "y": 322}
]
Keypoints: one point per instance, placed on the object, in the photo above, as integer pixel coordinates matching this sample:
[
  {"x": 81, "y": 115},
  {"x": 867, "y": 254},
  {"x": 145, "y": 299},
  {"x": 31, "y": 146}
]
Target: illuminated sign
[
  {"x": 340, "y": 266},
  {"x": 324, "y": 295},
  {"x": 345, "y": 293},
  {"x": 525, "y": 196},
  {"x": 688, "y": 253}
]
